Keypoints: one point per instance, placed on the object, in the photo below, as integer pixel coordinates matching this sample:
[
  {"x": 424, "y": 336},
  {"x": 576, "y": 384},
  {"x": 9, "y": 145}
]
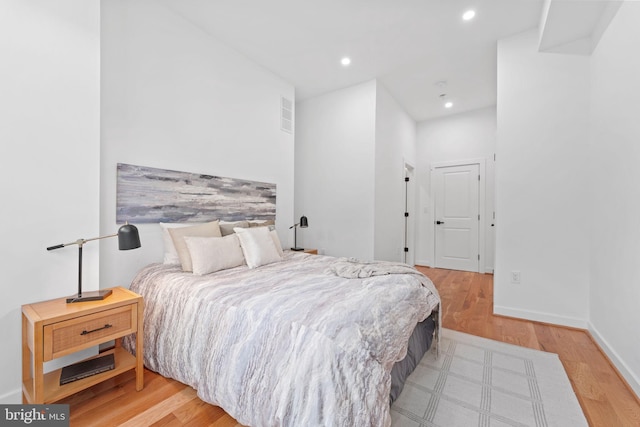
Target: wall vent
[{"x": 286, "y": 115}]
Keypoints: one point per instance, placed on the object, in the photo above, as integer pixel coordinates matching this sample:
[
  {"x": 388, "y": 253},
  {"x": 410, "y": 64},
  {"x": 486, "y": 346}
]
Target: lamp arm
[
  {"x": 101, "y": 237},
  {"x": 79, "y": 242},
  {"x": 294, "y": 226}
]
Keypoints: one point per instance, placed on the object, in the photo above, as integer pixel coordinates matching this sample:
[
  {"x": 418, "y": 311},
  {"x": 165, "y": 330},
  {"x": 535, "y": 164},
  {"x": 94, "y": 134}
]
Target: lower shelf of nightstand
[{"x": 53, "y": 391}]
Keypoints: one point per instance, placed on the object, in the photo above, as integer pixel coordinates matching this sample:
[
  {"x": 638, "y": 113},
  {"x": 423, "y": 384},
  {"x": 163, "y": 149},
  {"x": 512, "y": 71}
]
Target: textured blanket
[
  {"x": 352, "y": 268},
  {"x": 285, "y": 344}
]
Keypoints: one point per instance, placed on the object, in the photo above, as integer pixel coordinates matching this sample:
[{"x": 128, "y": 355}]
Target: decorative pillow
[
  {"x": 170, "y": 253},
  {"x": 211, "y": 254},
  {"x": 258, "y": 246},
  {"x": 209, "y": 229},
  {"x": 226, "y": 228}
]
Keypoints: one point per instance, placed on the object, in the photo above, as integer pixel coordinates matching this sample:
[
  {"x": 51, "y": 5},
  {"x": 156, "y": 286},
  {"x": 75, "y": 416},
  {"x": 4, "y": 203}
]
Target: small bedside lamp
[
  {"x": 304, "y": 223},
  {"x": 128, "y": 238}
]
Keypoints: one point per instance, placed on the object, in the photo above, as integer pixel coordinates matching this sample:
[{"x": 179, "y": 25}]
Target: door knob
[{"x": 439, "y": 222}]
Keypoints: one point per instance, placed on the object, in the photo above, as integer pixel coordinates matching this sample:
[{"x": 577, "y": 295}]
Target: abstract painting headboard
[{"x": 150, "y": 195}]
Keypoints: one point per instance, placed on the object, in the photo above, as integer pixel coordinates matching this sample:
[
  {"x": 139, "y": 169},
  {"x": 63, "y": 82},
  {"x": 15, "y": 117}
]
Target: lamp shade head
[
  {"x": 304, "y": 223},
  {"x": 128, "y": 237}
]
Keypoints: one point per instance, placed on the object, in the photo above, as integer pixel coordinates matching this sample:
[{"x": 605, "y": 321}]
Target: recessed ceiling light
[
  {"x": 345, "y": 61},
  {"x": 468, "y": 15},
  {"x": 448, "y": 104}
]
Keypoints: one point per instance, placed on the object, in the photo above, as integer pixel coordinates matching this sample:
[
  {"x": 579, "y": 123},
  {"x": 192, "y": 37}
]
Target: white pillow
[
  {"x": 209, "y": 229},
  {"x": 258, "y": 246},
  {"x": 211, "y": 254},
  {"x": 170, "y": 253}
]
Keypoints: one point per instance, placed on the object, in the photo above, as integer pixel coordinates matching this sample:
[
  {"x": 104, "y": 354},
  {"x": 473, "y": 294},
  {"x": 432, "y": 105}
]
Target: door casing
[{"x": 410, "y": 207}]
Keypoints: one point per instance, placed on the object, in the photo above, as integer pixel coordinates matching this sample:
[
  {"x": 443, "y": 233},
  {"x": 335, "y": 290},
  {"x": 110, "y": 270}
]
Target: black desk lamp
[
  {"x": 128, "y": 238},
  {"x": 302, "y": 224}
]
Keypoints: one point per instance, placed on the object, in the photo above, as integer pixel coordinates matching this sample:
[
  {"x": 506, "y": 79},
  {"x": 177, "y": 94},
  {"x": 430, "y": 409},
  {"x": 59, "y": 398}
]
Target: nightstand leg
[
  {"x": 33, "y": 381},
  {"x": 38, "y": 367},
  {"x": 139, "y": 349},
  {"x": 26, "y": 360},
  {"x": 38, "y": 379}
]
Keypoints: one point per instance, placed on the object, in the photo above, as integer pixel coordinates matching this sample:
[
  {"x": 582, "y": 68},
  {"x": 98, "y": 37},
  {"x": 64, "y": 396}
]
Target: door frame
[
  {"x": 410, "y": 206},
  {"x": 482, "y": 224}
]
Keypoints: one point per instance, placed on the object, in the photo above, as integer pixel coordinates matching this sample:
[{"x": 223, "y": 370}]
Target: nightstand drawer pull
[{"x": 106, "y": 326}]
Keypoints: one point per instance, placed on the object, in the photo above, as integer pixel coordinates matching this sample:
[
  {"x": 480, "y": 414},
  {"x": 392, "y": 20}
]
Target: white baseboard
[
  {"x": 537, "y": 316},
  {"x": 11, "y": 398},
  {"x": 630, "y": 377}
]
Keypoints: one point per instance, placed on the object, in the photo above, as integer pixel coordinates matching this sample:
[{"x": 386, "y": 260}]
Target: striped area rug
[{"x": 480, "y": 382}]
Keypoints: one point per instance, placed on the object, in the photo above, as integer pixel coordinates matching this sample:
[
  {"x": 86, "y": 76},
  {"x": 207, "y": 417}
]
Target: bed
[{"x": 297, "y": 342}]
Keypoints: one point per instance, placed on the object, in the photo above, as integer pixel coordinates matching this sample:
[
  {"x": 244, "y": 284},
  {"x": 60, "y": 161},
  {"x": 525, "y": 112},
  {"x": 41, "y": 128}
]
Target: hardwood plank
[
  {"x": 160, "y": 410},
  {"x": 467, "y": 300},
  {"x": 168, "y": 421}
]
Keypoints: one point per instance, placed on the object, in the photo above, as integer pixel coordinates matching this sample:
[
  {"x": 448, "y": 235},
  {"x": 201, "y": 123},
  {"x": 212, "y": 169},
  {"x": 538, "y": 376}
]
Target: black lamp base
[
  {"x": 90, "y": 296},
  {"x": 297, "y": 249}
]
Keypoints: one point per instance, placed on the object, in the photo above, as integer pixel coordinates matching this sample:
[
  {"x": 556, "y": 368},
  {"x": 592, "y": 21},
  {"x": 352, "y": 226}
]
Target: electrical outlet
[{"x": 515, "y": 277}]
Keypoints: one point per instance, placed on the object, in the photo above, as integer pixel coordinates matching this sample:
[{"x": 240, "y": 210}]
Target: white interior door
[{"x": 457, "y": 219}]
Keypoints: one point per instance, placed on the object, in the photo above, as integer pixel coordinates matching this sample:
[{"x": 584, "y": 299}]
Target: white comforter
[{"x": 286, "y": 344}]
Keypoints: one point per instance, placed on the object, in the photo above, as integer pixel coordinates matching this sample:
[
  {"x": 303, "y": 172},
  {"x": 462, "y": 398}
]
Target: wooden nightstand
[
  {"x": 52, "y": 329},
  {"x": 311, "y": 251}
]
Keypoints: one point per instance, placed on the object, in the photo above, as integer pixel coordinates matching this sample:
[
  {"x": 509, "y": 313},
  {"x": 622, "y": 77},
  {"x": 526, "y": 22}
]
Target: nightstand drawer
[{"x": 69, "y": 336}]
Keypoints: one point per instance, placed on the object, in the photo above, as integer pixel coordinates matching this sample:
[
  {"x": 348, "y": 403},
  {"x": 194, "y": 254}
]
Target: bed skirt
[{"x": 419, "y": 343}]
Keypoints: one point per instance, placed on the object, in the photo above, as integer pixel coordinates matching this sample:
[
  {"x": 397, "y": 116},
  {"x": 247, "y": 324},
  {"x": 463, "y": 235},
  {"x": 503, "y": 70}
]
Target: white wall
[
  {"x": 459, "y": 137},
  {"x": 395, "y": 145},
  {"x": 351, "y": 148},
  {"x": 335, "y": 158},
  {"x": 176, "y": 98},
  {"x": 50, "y": 108},
  {"x": 615, "y": 230},
  {"x": 542, "y": 207}
]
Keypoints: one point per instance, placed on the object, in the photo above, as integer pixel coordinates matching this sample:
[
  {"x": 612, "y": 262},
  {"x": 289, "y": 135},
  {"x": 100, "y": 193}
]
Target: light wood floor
[{"x": 467, "y": 300}]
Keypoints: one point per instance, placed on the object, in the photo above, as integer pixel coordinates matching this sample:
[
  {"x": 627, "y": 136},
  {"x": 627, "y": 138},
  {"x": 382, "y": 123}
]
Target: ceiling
[{"x": 408, "y": 45}]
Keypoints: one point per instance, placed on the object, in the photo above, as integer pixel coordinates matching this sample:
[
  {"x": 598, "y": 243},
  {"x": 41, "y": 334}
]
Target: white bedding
[{"x": 284, "y": 344}]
